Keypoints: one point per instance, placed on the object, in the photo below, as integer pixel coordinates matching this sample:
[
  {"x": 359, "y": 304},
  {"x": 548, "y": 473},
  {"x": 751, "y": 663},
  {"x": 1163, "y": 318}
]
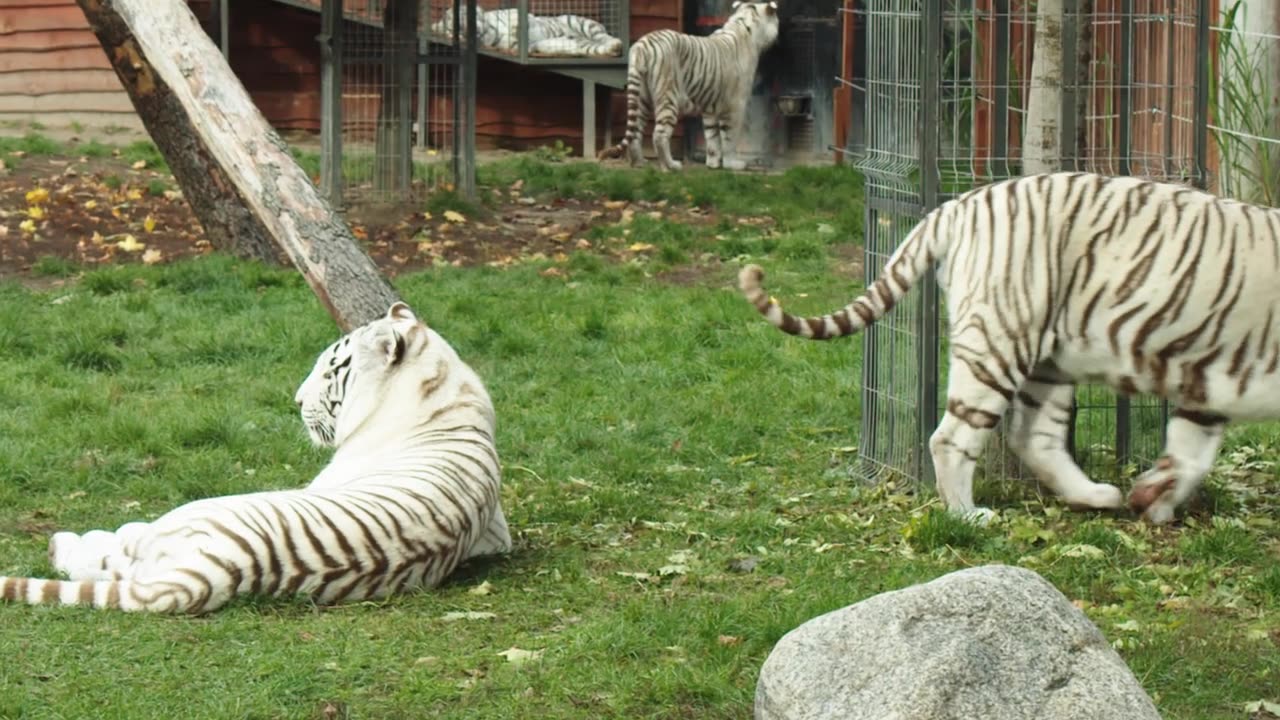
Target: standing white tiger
[
  {"x": 1068, "y": 277},
  {"x": 671, "y": 75},
  {"x": 411, "y": 491}
]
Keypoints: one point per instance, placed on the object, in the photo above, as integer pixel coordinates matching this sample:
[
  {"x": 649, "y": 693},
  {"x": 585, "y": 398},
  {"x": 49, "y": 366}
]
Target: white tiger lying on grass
[
  {"x": 1068, "y": 277},
  {"x": 412, "y": 490},
  {"x": 671, "y": 75},
  {"x": 554, "y": 36}
]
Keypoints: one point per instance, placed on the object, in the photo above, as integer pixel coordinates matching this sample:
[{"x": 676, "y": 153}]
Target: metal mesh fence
[
  {"x": 1245, "y": 118},
  {"x": 1136, "y": 101},
  {"x": 545, "y": 31},
  {"x": 395, "y": 126}
]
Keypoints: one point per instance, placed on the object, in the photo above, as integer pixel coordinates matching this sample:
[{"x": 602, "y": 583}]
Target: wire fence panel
[
  {"x": 892, "y": 95},
  {"x": 395, "y": 124},
  {"x": 1171, "y": 90},
  {"x": 401, "y": 103}
]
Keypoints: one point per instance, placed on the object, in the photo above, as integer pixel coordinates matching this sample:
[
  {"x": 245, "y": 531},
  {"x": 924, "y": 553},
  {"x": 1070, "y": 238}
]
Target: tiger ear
[
  {"x": 735, "y": 4},
  {"x": 772, "y": 9},
  {"x": 400, "y": 310},
  {"x": 391, "y": 346}
]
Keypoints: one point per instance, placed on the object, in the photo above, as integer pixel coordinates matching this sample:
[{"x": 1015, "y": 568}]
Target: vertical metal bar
[
  {"x": 522, "y": 33},
  {"x": 1169, "y": 69},
  {"x": 1000, "y": 121},
  {"x": 423, "y": 70},
  {"x": 459, "y": 97},
  {"x": 1126, "y": 87},
  {"x": 588, "y": 119},
  {"x": 331, "y": 43},
  {"x": 1123, "y": 414},
  {"x": 467, "y": 178},
  {"x": 1067, "y": 115},
  {"x": 930, "y": 106},
  {"x": 224, "y": 27},
  {"x": 1200, "y": 117},
  {"x": 624, "y": 26},
  {"x": 406, "y": 53}
]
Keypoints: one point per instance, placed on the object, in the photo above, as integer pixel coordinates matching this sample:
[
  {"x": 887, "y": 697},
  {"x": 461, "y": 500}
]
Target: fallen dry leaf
[
  {"x": 639, "y": 247},
  {"x": 134, "y": 194},
  {"x": 37, "y": 196},
  {"x": 467, "y": 615},
  {"x": 152, "y": 256},
  {"x": 483, "y": 588},
  {"x": 27, "y": 226},
  {"x": 35, "y": 212},
  {"x": 130, "y": 244},
  {"x": 454, "y": 216},
  {"x": 516, "y": 656},
  {"x": 149, "y": 224},
  {"x": 139, "y": 165},
  {"x": 729, "y": 640},
  {"x": 90, "y": 204}
]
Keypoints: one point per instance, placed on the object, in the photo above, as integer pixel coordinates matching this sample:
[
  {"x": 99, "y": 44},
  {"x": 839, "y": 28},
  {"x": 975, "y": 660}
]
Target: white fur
[{"x": 411, "y": 491}]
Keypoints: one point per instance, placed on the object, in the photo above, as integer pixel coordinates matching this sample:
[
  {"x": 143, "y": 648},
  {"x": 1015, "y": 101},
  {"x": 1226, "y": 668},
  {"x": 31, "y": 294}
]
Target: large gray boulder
[{"x": 993, "y": 642}]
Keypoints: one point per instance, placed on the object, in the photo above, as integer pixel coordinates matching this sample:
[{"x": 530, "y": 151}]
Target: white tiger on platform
[
  {"x": 412, "y": 490},
  {"x": 1062, "y": 278},
  {"x": 556, "y": 36}
]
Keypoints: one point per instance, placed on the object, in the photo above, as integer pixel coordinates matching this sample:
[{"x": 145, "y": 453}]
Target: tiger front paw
[{"x": 63, "y": 546}]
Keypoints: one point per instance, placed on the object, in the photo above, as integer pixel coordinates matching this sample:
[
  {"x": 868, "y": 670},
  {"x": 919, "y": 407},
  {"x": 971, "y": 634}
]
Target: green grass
[{"x": 642, "y": 425}]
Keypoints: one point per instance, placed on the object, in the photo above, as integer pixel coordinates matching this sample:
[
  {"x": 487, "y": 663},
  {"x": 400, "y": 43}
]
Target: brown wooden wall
[
  {"x": 51, "y": 64},
  {"x": 1162, "y": 69}
]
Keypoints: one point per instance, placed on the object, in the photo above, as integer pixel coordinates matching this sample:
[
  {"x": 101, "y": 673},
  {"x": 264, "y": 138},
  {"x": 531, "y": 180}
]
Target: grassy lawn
[{"x": 679, "y": 475}]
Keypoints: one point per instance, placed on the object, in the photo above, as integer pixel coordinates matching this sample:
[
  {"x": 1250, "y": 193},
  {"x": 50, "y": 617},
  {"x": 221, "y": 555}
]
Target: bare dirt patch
[{"x": 92, "y": 211}]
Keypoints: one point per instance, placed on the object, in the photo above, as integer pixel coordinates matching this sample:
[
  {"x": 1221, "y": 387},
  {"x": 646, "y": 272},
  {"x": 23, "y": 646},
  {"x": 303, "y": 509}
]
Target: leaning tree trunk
[
  {"x": 1042, "y": 140},
  {"x": 234, "y": 169}
]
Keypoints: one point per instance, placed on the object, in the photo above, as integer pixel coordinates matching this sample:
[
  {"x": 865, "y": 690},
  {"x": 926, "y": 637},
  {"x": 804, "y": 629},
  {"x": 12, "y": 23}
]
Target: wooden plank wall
[
  {"x": 1162, "y": 68},
  {"x": 51, "y": 63},
  {"x": 52, "y": 69}
]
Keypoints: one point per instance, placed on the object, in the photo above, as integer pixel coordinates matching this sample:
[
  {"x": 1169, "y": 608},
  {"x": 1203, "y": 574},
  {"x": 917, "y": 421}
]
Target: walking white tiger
[
  {"x": 411, "y": 491},
  {"x": 671, "y": 75},
  {"x": 1071, "y": 277}
]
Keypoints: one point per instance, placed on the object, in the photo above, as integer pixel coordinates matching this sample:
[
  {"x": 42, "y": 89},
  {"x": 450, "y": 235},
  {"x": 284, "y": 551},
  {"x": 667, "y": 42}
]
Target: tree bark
[
  {"x": 236, "y": 172},
  {"x": 1042, "y": 140}
]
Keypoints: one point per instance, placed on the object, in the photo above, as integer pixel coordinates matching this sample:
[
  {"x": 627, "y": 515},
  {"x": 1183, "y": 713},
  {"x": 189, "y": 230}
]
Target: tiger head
[
  {"x": 373, "y": 370},
  {"x": 760, "y": 19}
]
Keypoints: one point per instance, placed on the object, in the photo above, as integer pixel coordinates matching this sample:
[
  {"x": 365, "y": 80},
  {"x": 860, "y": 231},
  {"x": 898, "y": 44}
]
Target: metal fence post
[
  {"x": 930, "y": 106},
  {"x": 1125, "y": 105},
  {"x": 330, "y": 39}
]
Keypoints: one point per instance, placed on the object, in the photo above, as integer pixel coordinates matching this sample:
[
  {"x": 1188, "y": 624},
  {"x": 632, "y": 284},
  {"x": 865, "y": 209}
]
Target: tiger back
[
  {"x": 1062, "y": 278},
  {"x": 412, "y": 490}
]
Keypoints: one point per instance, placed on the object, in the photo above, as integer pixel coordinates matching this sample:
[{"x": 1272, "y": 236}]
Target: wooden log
[{"x": 236, "y": 172}]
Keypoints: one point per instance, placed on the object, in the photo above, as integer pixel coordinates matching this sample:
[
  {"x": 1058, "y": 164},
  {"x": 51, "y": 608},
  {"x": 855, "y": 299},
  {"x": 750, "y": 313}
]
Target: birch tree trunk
[
  {"x": 234, "y": 169},
  {"x": 1042, "y": 137}
]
